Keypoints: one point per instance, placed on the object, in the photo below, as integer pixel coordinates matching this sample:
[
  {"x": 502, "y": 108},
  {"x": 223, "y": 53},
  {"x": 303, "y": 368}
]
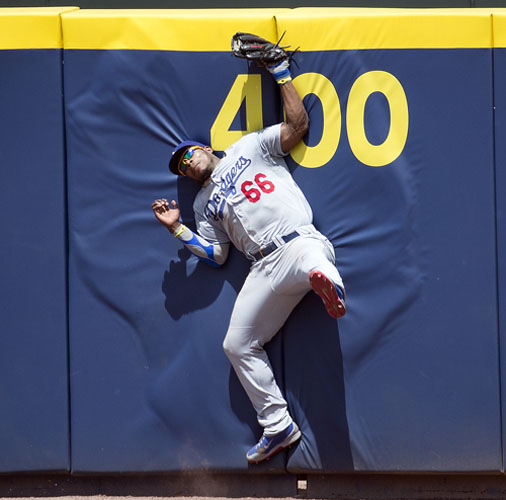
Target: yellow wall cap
[
  {"x": 169, "y": 29},
  {"x": 499, "y": 22},
  {"x": 362, "y": 28},
  {"x": 311, "y": 28},
  {"x": 31, "y": 27}
]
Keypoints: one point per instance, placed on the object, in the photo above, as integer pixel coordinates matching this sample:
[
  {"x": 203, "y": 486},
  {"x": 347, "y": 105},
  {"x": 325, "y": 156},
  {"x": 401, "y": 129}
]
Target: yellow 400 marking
[{"x": 249, "y": 88}]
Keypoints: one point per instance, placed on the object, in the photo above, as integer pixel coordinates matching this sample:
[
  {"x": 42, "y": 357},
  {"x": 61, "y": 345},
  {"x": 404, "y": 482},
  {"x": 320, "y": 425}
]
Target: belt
[{"x": 270, "y": 247}]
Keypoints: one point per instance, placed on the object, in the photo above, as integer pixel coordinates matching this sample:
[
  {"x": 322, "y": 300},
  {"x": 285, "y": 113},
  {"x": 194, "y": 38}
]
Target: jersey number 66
[{"x": 252, "y": 193}]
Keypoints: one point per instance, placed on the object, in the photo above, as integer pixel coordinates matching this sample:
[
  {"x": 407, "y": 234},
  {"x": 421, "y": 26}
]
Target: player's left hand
[{"x": 254, "y": 48}]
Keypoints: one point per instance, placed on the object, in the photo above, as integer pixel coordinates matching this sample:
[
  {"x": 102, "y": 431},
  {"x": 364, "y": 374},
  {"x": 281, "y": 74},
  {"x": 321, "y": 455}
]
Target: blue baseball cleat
[
  {"x": 331, "y": 294},
  {"x": 270, "y": 445}
]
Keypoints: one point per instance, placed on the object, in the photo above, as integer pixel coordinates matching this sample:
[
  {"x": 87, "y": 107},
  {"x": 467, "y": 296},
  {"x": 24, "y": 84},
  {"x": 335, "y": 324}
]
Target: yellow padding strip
[
  {"x": 31, "y": 27},
  {"x": 499, "y": 19},
  {"x": 346, "y": 29},
  {"x": 178, "y": 29}
]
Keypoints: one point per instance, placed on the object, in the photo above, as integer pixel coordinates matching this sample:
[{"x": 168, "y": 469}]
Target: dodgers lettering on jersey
[
  {"x": 251, "y": 196},
  {"x": 214, "y": 207}
]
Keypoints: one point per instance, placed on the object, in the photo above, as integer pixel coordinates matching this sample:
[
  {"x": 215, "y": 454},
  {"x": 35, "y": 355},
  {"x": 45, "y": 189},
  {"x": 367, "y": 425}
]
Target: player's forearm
[
  {"x": 296, "y": 115},
  {"x": 173, "y": 228},
  {"x": 214, "y": 255},
  {"x": 297, "y": 120}
]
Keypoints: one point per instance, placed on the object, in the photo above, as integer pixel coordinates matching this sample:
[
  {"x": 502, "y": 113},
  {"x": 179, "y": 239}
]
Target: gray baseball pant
[{"x": 274, "y": 286}]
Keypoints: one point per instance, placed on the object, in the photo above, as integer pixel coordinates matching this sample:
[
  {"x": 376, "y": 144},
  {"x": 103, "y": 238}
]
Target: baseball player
[{"x": 249, "y": 198}]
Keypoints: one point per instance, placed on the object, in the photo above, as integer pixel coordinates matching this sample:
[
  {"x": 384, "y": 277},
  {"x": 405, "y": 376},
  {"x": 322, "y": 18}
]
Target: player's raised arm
[
  {"x": 297, "y": 120},
  {"x": 276, "y": 60}
]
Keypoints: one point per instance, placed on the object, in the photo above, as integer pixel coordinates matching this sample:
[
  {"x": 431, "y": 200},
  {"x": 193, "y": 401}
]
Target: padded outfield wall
[
  {"x": 399, "y": 170},
  {"x": 33, "y": 285},
  {"x": 34, "y": 416},
  {"x": 402, "y": 166},
  {"x": 500, "y": 151}
]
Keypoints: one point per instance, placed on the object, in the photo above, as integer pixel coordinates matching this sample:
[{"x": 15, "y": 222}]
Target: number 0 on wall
[{"x": 391, "y": 148}]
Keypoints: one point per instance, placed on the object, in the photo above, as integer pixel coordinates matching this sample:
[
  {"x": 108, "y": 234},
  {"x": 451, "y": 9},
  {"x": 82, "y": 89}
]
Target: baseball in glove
[{"x": 266, "y": 54}]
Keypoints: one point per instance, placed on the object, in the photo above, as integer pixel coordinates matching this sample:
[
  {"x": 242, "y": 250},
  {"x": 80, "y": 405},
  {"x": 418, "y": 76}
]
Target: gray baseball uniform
[{"x": 252, "y": 201}]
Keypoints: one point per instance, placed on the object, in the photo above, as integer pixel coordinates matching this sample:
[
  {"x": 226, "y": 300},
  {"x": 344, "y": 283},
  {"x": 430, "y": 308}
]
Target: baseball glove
[{"x": 257, "y": 49}]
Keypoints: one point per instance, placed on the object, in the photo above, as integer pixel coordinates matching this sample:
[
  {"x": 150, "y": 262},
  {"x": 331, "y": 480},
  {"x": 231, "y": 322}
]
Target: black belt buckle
[{"x": 266, "y": 250}]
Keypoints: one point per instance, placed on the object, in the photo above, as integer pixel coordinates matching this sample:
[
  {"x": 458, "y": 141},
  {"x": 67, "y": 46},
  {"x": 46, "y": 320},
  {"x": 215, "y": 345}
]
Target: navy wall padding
[
  {"x": 152, "y": 389},
  {"x": 100, "y": 302},
  {"x": 408, "y": 381},
  {"x": 34, "y": 434},
  {"x": 500, "y": 161}
]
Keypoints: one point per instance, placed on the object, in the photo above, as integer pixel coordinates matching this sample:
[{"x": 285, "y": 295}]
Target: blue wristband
[{"x": 281, "y": 71}]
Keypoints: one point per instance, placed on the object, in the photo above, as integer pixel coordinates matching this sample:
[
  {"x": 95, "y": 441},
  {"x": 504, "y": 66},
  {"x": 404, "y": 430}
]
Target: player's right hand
[{"x": 168, "y": 216}]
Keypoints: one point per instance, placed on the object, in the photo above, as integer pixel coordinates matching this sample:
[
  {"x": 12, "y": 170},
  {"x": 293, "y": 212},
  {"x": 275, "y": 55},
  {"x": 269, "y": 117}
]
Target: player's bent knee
[
  {"x": 234, "y": 345},
  {"x": 230, "y": 347}
]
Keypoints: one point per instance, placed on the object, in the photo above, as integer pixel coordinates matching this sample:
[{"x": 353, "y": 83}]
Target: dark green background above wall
[{"x": 199, "y": 4}]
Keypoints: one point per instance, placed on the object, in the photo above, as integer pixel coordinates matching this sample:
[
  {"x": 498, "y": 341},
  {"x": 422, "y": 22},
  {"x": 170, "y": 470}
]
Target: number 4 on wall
[{"x": 246, "y": 88}]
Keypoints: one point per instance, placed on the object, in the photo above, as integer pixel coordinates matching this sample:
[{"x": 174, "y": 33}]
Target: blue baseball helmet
[{"x": 178, "y": 152}]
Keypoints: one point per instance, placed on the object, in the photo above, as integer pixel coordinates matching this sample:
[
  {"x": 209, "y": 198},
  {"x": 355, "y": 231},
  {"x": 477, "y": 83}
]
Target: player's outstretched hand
[{"x": 168, "y": 216}]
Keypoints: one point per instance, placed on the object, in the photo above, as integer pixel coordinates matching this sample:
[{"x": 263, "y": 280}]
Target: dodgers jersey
[{"x": 251, "y": 197}]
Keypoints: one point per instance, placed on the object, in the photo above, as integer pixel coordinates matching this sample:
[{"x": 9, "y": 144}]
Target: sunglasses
[{"x": 185, "y": 160}]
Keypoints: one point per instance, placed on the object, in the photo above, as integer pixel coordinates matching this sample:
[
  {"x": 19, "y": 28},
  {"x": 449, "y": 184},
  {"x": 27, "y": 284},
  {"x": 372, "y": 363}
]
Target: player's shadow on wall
[
  {"x": 314, "y": 381},
  {"x": 202, "y": 283}
]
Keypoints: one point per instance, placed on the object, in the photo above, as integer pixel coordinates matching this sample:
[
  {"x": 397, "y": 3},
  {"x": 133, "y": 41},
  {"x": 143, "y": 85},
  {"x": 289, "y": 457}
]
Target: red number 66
[{"x": 252, "y": 193}]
